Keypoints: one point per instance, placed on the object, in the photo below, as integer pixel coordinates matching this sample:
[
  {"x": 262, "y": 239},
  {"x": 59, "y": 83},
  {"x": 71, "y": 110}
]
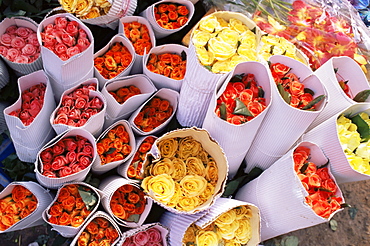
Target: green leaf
[
  {"x": 133, "y": 218},
  {"x": 362, "y": 127},
  {"x": 325, "y": 165},
  {"x": 333, "y": 225},
  {"x": 88, "y": 197},
  {"x": 261, "y": 92},
  {"x": 304, "y": 168},
  {"x": 237, "y": 78},
  {"x": 284, "y": 94},
  {"x": 335, "y": 70},
  {"x": 323, "y": 189},
  {"x": 345, "y": 205},
  {"x": 362, "y": 96},
  {"x": 208, "y": 67},
  {"x": 110, "y": 151},
  {"x": 308, "y": 90},
  {"x": 183, "y": 55},
  {"x": 223, "y": 114},
  {"x": 313, "y": 102},
  {"x": 233, "y": 186},
  {"x": 272, "y": 49},
  {"x": 22, "y": 5},
  {"x": 240, "y": 108},
  {"x": 290, "y": 241},
  {"x": 352, "y": 212}
]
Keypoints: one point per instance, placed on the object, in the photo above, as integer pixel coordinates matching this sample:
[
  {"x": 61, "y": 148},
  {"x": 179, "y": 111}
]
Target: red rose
[
  {"x": 83, "y": 44},
  {"x": 46, "y": 155},
  {"x": 6, "y": 39},
  {"x": 61, "y": 22},
  {"x": 82, "y": 33},
  {"x": 88, "y": 149},
  {"x": 49, "y": 174},
  {"x": 279, "y": 69},
  {"x": 32, "y": 39},
  {"x": 11, "y": 29},
  {"x": 68, "y": 101},
  {"x": 68, "y": 40},
  {"x": 23, "y": 31},
  {"x": 80, "y": 103},
  {"x": 72, "y": 28},
  {"x": 65, "y": 171},
  {"x": 70, "y": 144},
  {"x": 74, "y": 50},
  {"x": 63, "y": 110},
  {"x": 61, "y": 119},
  {"x": 71, "y": 157},
  {"x": 96, "y": 103},
  {"x": 84, "y": 160},
  {"x": 58, "y": 162},
  {"x": 60, "y": 48},
  {"x": 35, "y": 108},
  {"x": 58, "y": 148},
  {"x": 74, "y": 114},
  {"x": 76, "y": 167},
  {"x": 3, "y": 50}
]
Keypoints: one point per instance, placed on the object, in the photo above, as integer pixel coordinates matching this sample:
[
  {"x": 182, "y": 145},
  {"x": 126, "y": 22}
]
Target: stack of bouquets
[
  {"x": 146, "y": 235},
  {"x": 26, "y": 119},
  {"x": 73, "y": 205}
]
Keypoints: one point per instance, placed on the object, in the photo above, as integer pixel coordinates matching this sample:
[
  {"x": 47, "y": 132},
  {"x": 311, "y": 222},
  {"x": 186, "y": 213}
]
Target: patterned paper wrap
[
  {"x": 280, "y": 195},
  {"x": 162, "y": 229},
  {"x": 28, "y": 140},
  {"x": 4, "y": 74}
]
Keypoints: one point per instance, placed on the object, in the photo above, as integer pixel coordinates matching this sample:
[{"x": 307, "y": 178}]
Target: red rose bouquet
[{"x": 171, "y": 15}]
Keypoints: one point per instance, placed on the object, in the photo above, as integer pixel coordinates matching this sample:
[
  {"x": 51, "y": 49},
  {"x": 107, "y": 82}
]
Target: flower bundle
[
  {"x": 114, "y": 146},
  {"x": 19, "y": 44},
  {"x": 76, "y": 107},
  {"x": 99, "y": 231},
  {"x": 32, "y": 102},
  {"x": 148, "y": 237},
  {"x": 72, "y": 206},
  {"x": 128, "y": 203},
  {"x": 170, "y": 65},
  {"x": 16, "y": 206},
  {"x": 242, "y": 100},
  {"x": 185, "y": 175},
  {"x": 292, "y": 89},
  {"x": 230, "y": 228},
  {"x": 123, "y": 93},
  {"x": 171, "y": 15},
  {"x": 65, "y": 38},
  {"x": 134, "y": 170},
  {"x": 67, "y": 156},
  {"x": 155, "y": 112},
  {"x": 86, "y": 9},
  {"x": 138, "y": 34},
  {"x": 317, "y": 182},
  {"x": 114, "y": 61}
]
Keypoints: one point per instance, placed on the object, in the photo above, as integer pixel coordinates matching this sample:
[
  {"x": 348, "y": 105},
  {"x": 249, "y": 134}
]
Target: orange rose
[
  {"x": 85, "y": 212},
  {"x": 83, "y": 239},
  {"x": 56, "y": 210},
  {"x": 130, "y": 208},
  {"x": 322, "y": 208},
  {"x": 126, "y": 188},
  {"x": 110, "y": 63},
  {"x": 296, "y": 88},
  {"x": 279, "y": 69},
  {"x": 7, "y": 220},
  {"x": 119, "y": 211},
  {"x": 69, "y": 203},
  {"x": 64, "y": 219},
  {"x": 19, "y": 193},
  {"x": 77, "y": 221},
  {"x": 162, "y": 8},
  {"x": 92, "y": 228},
  {"x": 73, "y": 189},
  {"x": 111, "y": 234},
  {"x": 133, "y": 198},
  {"x": 182, "y": 10},
  {"x": 54, "y": 220},
  {"x": 102, "y": 222},
  {"x": 314, "y": 180},
  {"x": 134, "y": 35},
  {"x": 182, "y": 20}
]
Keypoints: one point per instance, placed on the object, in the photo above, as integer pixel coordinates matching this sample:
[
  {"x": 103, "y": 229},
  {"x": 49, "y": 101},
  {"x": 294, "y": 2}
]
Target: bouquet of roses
[
  {"x": 171, "y": 15},
  {"x": 151, "y": 235},
  {"x": 125, "y": 92},
  {"x": 138, "y": 34},
  {"x": 167, "y": 64},
  {"x": 86, "y": 9}
]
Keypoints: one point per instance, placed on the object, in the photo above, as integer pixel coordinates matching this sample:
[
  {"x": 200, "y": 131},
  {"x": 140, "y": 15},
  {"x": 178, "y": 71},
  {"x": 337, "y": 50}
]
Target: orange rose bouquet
[
  {"x": 138, "y": 34},
  {"x": 170, "y": 65},
  {"x": 122, "y": 94},
  {"x": 171, "y": 15}
]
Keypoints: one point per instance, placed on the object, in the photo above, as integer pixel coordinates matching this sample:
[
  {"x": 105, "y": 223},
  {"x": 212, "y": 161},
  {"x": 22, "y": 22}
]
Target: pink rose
[
  {"x": 3, "y": 50},
  {"x": 21, "y": 59},
  {"x": 61, "y": 119},
  {"x": 49, "y": 28},
  {"x": 88, "y": 149},
  {"x": 34, "y": 58},
  {"x": 48, "y": 40},
  {"x": 70, "y": 144},
  {"x": 65, "y": 171},
  {"x": 60, "y": 48},
  {"x": 6, "y": 39},
  {"x": 58, "y": 163},
  {"x": 32, "y": 39},
  {"x": 74, "y": 114},
  {"x": 18, "y": 42},
  {"x": 58, "y": 35},
  {"x": 154, "y": 235},
  {"x": 71, "y": 51},
  {"x": 64, "y": 57},
  {"x": 35, "y": 108},
  {"x": 83, "y": 44},
  {"x": 84, "y": 160},
  {"x": 11, "y": 29},
  {"x": 96, "y": 103},
  {"x": 82, "y": 33},
  {"x": 72, "y": 28},
  {"x": 61, "y": 22},
  {"x": 46, "y": 155},
  {"x": 46, "y": 166},
  {"x": 29, "y": 50},
  {"x": 58, "y": 148},
  {"x": 49, "y": 174},
  {"x": 81, "y": 92},
  {"x": 68, "y": 40},
  {"x": 141, "y": 238},
  {"x": 23, "y": 32},
  {"x": 80, "y": 103},
  {"x": 12, "y": 54},
  {"x": 71, "y": 156}
]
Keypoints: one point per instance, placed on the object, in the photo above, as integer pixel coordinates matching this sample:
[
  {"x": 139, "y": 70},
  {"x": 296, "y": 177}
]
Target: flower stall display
[
  {"x": 73, "y": 205},
  {"x": 297, "y": 191},
  {"x": 186, "y": 171},
  {"x": 146, "y": 235},
  {"x": 26, "y": 119}
]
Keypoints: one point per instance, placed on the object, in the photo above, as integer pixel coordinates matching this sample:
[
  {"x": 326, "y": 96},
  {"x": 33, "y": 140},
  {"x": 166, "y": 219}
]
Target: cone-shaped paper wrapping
[
  {"x": 164, "y": 231},
  {"x": 97, "y": 167},
  {"x": 161, "y": 81},
  {"x": 4, "y": 74},
  {"x": 94, "y": 124},
  {"x": 21, "y": 68},
  {"x": 28, "y": 140},
  {"x": 283, "y": 124},
  {"x": 280, "y": 196},
  {"x": 55, "y": 183},
  {"x": 199, "y": 82},
  {"x": 118, "y": 38},
  {"x": 43, "y": 196},
  {"x": 137, "y": 68},
  {"x": 116, "y": 111},
  {"x": 70, "y": 231},
  {"x": 235, "y": 140},
  {"x": 347, "y": 70},
  {"x": 109, "y": 186},
  {"x": 159, "y": 31},
  {"x": 326, "y": 136}
]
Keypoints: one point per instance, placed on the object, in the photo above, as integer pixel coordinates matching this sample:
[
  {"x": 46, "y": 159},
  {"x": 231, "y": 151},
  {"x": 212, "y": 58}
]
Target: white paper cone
[
  {"x": 163, "y": 230},
  {"x": 4, "y": 74}
]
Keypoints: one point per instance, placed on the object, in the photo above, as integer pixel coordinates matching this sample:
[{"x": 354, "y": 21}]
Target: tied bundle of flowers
[
  {"x": 122, "y": 94},
  {"x": 149, "y": 237},
  {"x": 16, "y": 206},
  {"x": 138, "y": 34},
  {"x": 242, "y": 100},
  {"x": 72, "y": 206},
  {"x": 128, "y": 203},
  {"x": 76, "y": 107},
  {"x": 99, "y": 231},
  {"x": 32, "y": 102},
  {"x": 135, "y": 171},
  {"x": 114, "y": 61},
  {"x": 221, "y": 44},
  {"x": 292, "y": 90},
  {"x": 67, "y": 156},
  {"x": 114, "y": 146},
  {"x": 171, "y": 15},
  {"x": 320, "y": 186},
  {"x": 155, "y": 112},
  {"x": 185, "y": 175},
  {"x": 65, "y": 38},
  {"x": 354, "y": 137},
  {"x": 170, "y": 65},
  {"x": 230, "y": 228},
  {"x": 86, "y": 9},
  {"x": 359, "y": 97},
  {"x": 19, "y": 44}
]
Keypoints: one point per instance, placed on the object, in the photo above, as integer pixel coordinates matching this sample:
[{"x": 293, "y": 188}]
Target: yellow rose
[
  {"x": 208, "y": 193},
  {"x": 231, "y": 243},
  {"x": 190, "y": 233},
  {"x": 363, "y": 150},
  {"x": 222, "y": 66},
  {"x": 94, "y": 12},
  {"x": 209, "y": 24},
  {"x": 221, "y": 49},
  {"x": 106, "y": 10},
  {"x": 193, "y": 185},
  {"x": 212, "y": 172},
  {"x": 242, "y": 57},
  {"x": 103, "y": 3},
  {"x": 168, "y": 147},
  {"x": 244, "y": 232},
  {"x": 204, "y": 156},
  {"x": 243, "y": 212},
  {"x": 205, "y": 57},
  {"x": 188, "y": 146},
  {"x": 229, "y": 36},
  {"x": 176, "y": 196},
  {"x": 270, "y": 40},
  {"x": 69, "y": 5},
  {"x": 227, "y": 231},
  {"x": 165, "y": 165},
  {"x": 83, "y": 7},
  {"x": 248, "y": 38},
  {"x": 226, "y": 218},
  {"x": 195, "y": 166},
  {"x": 200, "y": 38},
  {"x": 179, "y": 169},
  {"x": 357, "y": 163},
  {"x": 187, "y": 203},
  {"x": 160, "y": 187},
  {"x": 207, "y": 238}
]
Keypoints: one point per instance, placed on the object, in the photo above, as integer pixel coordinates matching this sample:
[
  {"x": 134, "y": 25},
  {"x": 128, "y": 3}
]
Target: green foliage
[{"x": 18, "y": 170}]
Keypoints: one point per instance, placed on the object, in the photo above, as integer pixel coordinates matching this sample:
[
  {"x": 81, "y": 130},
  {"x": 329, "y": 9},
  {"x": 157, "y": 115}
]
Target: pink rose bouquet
[{"x": 149, "y": 237}]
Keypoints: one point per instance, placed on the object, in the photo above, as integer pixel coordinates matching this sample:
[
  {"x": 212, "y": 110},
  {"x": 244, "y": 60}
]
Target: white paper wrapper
[
  {"x": 75, "y": 68},
  {"x": 161, "y": 81},
  {"x": 235, "y": 140},
  {"x": 137, "y": 68},
  {"x": 326, "y": 136},
  {"x": 4, "y": 74},
  {"x": 95, "y": 215},
  {"x": 164, "y": 93},
  {"x": 99, "y": 169},
  {"x": 116, "y": 111},
  {"x": 283, "y": 124},
  {"x": 70, "y": 231},
  {"x": 28, "y": 140},
  {"x": 280, "y": 196},
  {"x": 55, "y": 183},
  {"x": 94, "y": 124},
  {"x": 108, "y": 186},
  {"x": 21, "y": 68},
  {"x": 159, "y": 31},
  {"x": 43, "y": 200},
  {"x": 115, "y": 39},
  {"x": 162, "y": 229},
  {"x": 347, "y": 70}
]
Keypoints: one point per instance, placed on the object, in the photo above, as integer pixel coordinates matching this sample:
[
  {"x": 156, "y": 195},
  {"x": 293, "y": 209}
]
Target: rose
[
  {"x": 56, "y": 210},
  {"x": 226, "y": 218},
  {"x": 180, "y": 169},
  {"x": 58, "y": 148},
  {"x": 141, "y": 238},
  {"x": 29, "y": 50},
  {"x": 165, "y": 165},
  {"x": 68, "y": 40},
  {"x": 23, "y": 32},
  {"x": 64, "y": 219},
  {"x": 84, "y": 161},
  {"x": 72, "y": 51},
  {"x": 19, "y": 193},
  {"x": 154, "y": 235},
  {"x": 187, "y": 203},
  {"x": 83, "y": 43},
  {"x": 77, "y": 221},
  {"x": 70, "y": 144},
  {"x": 3, "y": 50},
  {"x": 161, "y": 186},
  {"x": 93, "y": 13},
  {"x": 296, "y": 88},
  {"x": 193, "y": 185},
  {"x": 12, "y": 54},
  {"x": 83, "y": 7},
  {"x": 21, "y": 59},
  {"x": 188, "y": 147},
  {"x": 60, "y": 48},
  {"x": 60, "y": 22},
  {"x": 6, "y": 39},
  {"x": 18, "y": 43},
  {"x": 279, "y": 69},
  {"x": 65, "y": 171},
  {"x": 72, "y": 28},
  {"x": 195, "y": 166},
  {"x": 118, "y": 210},
  {"x": 211, "y": 172},
  {"x": 11, "y": 29},
  {"x": 58, "y": 162},
  {"x": 133, "y": 198},
  {"x": 206, "y": 238},
  {"x": 111, "y": 234},
  {"x": 96, "y": 103},
  {"x": 46, "y": 155}
]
